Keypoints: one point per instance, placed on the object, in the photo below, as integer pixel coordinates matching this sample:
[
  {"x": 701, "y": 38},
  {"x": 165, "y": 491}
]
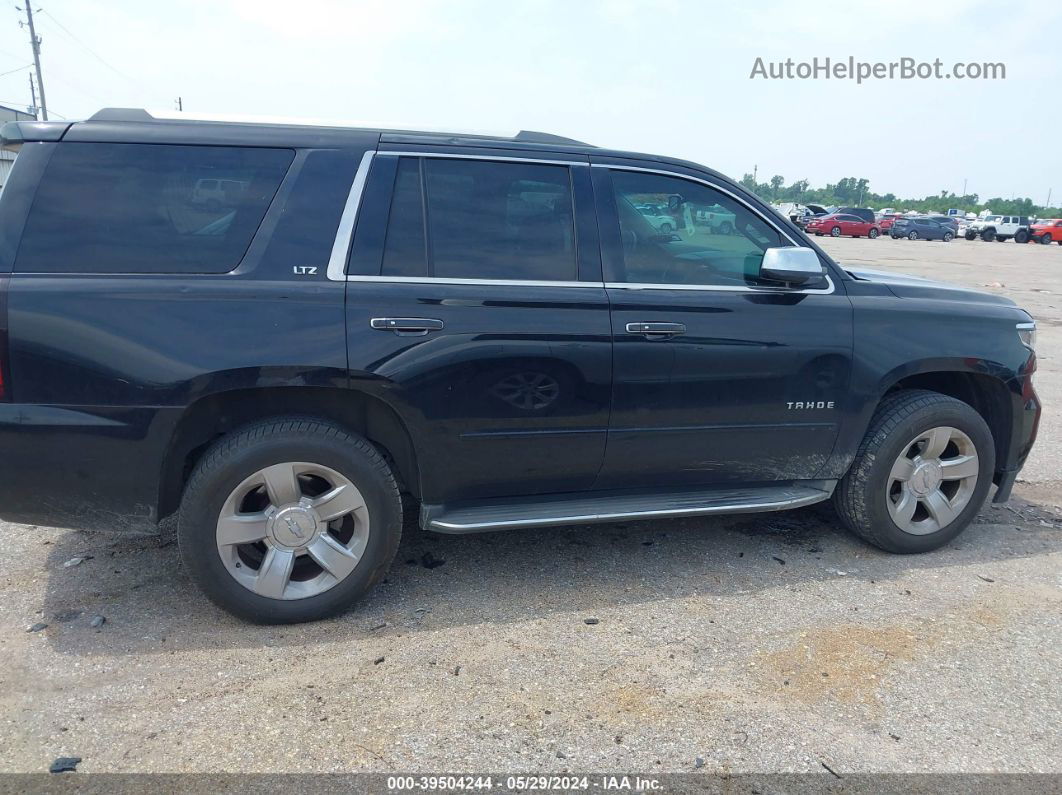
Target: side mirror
[
  {"x": 792, "y": 264},
  {"x": 674, "y": 202}
]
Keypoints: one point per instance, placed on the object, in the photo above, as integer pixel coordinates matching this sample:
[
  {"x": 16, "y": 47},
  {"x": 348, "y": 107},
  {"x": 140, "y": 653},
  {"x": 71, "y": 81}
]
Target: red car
[
  {"x": 1047, "y": 231},
  {"x": 886, "y": 221},
  {"x": 838, "y": 224}
]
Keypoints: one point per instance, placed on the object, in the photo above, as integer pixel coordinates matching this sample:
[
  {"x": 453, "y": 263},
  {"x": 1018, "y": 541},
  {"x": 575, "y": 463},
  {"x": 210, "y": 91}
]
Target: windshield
[{"x": 992, "y": 218}]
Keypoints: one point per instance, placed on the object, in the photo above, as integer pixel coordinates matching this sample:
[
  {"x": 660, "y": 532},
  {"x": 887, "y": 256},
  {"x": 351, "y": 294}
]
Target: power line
[
  {"x": 35, "y": 42},
  {"x": 88, "y": 49},
  {"x": 27, "y": 66}
]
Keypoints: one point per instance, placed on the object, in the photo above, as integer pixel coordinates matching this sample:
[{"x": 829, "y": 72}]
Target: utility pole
[
  {"x": 964, "y": 186},
  {"x": 180, "y": 104},
  {"x": 36, "y": 44},
  {"x": 33, "y": 94},
  {"x": 1048, "y": 198}
]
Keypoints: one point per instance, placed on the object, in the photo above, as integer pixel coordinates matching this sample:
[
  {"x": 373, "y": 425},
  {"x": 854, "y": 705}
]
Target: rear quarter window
[{"x": 147, "y": 208}]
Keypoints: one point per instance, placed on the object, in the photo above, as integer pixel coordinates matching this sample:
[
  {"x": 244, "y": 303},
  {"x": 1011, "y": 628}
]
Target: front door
[
  {"x": 719, "y": 377},
  {"x": 476, "y": 311}
]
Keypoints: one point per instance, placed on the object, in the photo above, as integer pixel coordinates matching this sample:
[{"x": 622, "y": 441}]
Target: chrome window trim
[
  {"x": 503, "y": 158},
  {"x": 337, "y": 262},
  {"x": 447, "y": 280},
  {"x": 724, "y": 288}
]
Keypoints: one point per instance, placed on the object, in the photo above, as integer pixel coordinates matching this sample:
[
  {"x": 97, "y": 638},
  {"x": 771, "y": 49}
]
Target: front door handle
[
  {"x": 406, "y": 326},
  {"x": 656, "y": 331}
]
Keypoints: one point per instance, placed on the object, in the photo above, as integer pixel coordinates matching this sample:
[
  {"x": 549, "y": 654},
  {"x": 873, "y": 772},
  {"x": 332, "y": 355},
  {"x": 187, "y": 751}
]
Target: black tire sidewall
[
  {"x": 951, "y": 413},
  {"x": 210, "y": 486}
]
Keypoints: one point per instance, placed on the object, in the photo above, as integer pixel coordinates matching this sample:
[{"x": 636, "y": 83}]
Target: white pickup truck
[{"x": 999, "y": 227}]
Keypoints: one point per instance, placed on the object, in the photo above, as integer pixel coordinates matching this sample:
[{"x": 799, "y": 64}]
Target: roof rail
[{"x": 140, "y": 114}]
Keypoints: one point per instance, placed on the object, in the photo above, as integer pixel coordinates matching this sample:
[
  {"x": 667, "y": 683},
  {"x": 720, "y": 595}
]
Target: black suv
[{"x": 274, "y": 331}]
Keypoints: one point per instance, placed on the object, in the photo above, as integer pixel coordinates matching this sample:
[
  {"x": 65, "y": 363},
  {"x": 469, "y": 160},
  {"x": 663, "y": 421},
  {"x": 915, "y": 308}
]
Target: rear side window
[
  {"x": 146, "y": 208},
  {"x": 481, "y": 219}
]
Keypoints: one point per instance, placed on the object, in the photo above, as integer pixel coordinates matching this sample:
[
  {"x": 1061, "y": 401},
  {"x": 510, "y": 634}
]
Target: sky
[{"x": 666, "y": 77}]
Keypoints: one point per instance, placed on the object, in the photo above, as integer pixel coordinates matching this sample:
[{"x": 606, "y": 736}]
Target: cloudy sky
[{"x": 663, "y": 76}]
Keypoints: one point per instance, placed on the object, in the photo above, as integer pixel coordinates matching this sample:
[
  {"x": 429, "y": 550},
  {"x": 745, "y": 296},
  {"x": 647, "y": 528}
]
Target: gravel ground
[{"x": 766, "y": 643}]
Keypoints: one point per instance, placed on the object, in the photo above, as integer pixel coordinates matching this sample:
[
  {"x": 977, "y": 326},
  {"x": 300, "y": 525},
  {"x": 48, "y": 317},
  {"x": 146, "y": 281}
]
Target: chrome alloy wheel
[
  {"x": 292, "y": 530},
  {"x": 932, "y": 481}
]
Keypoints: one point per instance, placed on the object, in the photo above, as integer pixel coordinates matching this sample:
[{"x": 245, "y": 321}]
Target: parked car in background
[
  {"x": 860, "y": 212},
  {"x": 718, "y": 220},
  {"x": 1001, "y": 228},
  {"x": 1047, "y": 231},
  {"x": 886, "y": 221},
  {"x": 949, "y": 221},
  {"x": 921, "y": 228},
  {"x": 661, "y": 221},
  {"x": 842, "y": 224}
]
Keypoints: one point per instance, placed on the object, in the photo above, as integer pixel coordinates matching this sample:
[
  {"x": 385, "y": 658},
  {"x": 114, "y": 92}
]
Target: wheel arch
[
  {"x": 987, "y": 394},
  {"x": 217, "y": 414}
]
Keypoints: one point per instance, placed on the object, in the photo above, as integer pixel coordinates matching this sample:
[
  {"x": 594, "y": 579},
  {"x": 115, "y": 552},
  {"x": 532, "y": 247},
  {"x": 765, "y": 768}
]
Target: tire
[
  {"x": 971, "y": 235},
  {"x": 1045, "y": 240},
  {"x": 988, "y": 235},
  {"x": 864, "y": 496},
  {"x": 947, "y": 237},
  {"x": 835, "y": 232},
  {"x": 912, "y": 235},
  {"x": 666, "y": 228},
  {"x": 872, "y": 234},
  {"x": 726, "y": 228},
  {"x": 1021, "y": 236},
  {"x": 1001, "y": 239},
  {"x": 235, "y": 460}
]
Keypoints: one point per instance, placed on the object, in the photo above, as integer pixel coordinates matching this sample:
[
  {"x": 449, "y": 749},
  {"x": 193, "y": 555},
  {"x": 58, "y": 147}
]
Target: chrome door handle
[
  {"x": 406, "y": 326},
  {"x": 656, "y": 331}
]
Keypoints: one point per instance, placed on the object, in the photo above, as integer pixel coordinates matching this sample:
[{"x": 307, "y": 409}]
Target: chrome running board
[{"x": 562, "y": 509}]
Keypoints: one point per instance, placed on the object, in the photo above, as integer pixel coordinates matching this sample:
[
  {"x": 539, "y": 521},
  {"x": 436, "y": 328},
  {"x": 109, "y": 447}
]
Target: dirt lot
[{"x": 765, "y": 643}]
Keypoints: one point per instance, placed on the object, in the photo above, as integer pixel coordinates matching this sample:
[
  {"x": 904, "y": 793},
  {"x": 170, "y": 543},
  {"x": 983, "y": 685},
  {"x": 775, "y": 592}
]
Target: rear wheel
[
  {"x": 666, "y": 228},
  {"x": 947, "y": 237},
  {"x": 988, "y": 235},
  {"x": 289, "y": 520},
  {"x": 835, "y": 232},
  {"x": 726, "y": 228},
  {"x": 920, "y": 475},
  {"x": 971, "y": 235}
]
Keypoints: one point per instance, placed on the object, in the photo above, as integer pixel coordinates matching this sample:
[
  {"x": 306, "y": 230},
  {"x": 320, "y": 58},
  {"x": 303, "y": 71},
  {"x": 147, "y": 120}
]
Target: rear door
[
  {"x": 476, "y": 309},
  {"x": 719, "y": 378}
]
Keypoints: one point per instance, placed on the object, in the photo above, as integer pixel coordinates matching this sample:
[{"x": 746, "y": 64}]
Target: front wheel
[
  {"x": 988, "y": 235},
  {"x": 666, "y": 229},
  {"x": 726, "y": 228},
  {"x": 948, "y": 236},
  {"x": 970, "y": 235},
  {"x": 289, "y": 520},
  {"x": 1046, "y": 240},
  {"x": 920, "y": 474},
  {"x": 1021, "y": 236},
  {"x": 872, "y": 234}
]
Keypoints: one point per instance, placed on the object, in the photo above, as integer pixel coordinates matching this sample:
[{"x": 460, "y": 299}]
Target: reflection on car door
[
  {"x": 475, "y": 309},
  {"x": 717, "y": 377}
]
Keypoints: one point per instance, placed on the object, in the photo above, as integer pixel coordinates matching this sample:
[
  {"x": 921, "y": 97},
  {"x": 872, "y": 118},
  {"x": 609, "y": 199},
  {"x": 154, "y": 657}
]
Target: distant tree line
[{"x": 855, "y": 192}]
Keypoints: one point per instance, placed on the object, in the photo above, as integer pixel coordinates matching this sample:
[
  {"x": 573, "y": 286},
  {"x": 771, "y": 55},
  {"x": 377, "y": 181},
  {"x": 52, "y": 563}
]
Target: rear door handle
[
  {"x": 656, "y": 331},
  {"x": 406, "y": 326}
]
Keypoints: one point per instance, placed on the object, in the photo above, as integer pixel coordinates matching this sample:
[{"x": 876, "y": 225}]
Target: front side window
[
  {"x": 712, "y": 238},
  {"x": 481, "y": 219},
  {"x": 147, "y": 208}
]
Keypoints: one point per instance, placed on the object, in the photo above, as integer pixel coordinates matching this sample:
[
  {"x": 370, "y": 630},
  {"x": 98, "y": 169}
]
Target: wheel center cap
[
  {"x": 293, "y": 526},
  {"x": 926, "y": 478}
]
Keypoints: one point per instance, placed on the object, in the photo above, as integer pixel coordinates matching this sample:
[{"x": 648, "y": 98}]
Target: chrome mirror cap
[{"x": 794, "y": 264}]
